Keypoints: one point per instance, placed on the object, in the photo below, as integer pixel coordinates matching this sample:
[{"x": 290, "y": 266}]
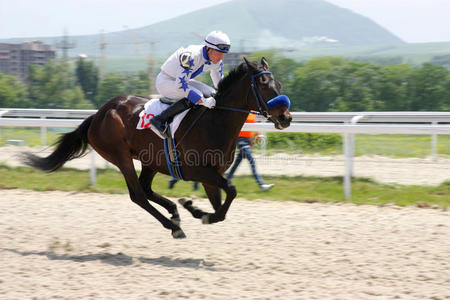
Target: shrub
[{"x": 303, "y": 141}]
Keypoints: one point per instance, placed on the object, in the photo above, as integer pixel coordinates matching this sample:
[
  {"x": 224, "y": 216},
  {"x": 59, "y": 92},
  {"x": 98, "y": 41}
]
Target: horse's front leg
[
  {"x": 138, "y": 196},
  {"x": 145, "y": 179}
]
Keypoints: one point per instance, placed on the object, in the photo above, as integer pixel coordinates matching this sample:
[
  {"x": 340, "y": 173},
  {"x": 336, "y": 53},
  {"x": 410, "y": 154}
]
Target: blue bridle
[
  {"x": 258, "y": 97},
  {"x": 274, "y": 102}
]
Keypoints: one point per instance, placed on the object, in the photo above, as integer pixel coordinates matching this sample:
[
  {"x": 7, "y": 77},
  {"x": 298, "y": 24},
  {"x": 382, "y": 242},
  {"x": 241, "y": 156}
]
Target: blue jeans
[{"x": 245, "y": 151}]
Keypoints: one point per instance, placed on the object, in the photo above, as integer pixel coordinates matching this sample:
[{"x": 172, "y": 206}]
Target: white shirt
[{"x": 187, "y": 63}]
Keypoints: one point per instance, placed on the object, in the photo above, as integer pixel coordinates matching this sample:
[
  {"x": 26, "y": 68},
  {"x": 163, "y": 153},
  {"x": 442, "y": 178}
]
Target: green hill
[{"x": 251, "y": 25}]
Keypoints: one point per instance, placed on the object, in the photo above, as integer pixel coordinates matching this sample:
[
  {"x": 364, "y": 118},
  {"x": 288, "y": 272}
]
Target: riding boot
[{"x": 161, "y": 121}]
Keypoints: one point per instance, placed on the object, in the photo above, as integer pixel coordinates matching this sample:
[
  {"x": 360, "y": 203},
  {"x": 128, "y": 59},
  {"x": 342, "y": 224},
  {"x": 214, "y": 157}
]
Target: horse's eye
[{"x": 264, "y": 79}]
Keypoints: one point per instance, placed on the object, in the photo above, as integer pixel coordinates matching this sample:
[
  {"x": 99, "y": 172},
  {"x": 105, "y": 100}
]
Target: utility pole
[
  {"x": 242, "y": 45},
  {"x": 150, "y": 59},
  {"x": 65, "y": 45},
  {"x": 102, "y": 54},
  {"x": 151, "y": 68}
]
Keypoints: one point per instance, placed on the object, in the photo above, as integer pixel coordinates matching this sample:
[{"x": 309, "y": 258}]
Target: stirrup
[{"x": 163, "y": 131}]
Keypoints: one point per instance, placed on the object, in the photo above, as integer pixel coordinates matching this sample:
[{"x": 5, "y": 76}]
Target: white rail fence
[{"x": 346, "y": 123}]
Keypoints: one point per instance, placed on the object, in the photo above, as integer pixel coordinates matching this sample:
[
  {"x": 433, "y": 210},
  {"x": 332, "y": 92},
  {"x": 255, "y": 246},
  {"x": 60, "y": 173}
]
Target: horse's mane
[{"x": 234, "y": 75}]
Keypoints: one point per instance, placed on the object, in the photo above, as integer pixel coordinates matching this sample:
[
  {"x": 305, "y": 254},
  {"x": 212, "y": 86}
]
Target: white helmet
[{"x": 218, "y": 40}]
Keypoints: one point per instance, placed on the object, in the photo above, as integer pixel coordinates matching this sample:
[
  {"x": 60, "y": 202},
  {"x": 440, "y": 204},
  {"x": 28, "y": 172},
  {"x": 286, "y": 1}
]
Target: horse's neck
[
  {"x": 234, "y": 120},
  {"x": 220, "y": 126}
]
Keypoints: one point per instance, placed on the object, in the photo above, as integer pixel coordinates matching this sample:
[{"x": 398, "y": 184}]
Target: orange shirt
[{"x": 248, "y": 134}]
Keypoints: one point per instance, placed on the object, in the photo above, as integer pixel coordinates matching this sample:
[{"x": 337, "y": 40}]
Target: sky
[{"x": 413, "y": 21}]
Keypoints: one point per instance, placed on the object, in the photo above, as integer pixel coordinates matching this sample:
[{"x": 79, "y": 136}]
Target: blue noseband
[{"x": 279, "y": 101}]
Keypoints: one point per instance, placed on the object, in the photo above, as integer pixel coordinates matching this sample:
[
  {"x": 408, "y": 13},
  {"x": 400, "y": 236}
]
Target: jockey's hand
[{"x": 208, "y": 102}]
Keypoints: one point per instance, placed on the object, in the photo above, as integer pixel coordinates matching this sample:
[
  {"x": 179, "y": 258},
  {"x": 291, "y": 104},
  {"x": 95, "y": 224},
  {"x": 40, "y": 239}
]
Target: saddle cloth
[{"x": 155, "y": 107}]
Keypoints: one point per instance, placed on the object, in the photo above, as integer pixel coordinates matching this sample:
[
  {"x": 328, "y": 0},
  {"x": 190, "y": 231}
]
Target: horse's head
[{"x": 265, "y": 96}]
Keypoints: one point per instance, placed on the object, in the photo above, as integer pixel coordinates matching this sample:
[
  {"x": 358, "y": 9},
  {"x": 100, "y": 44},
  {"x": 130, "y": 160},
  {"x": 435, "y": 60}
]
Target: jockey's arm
[{"x": 217, "y": 74}]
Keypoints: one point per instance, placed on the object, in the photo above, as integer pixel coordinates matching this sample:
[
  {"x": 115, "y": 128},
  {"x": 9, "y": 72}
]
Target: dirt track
[{"x": 60, "y": 245}]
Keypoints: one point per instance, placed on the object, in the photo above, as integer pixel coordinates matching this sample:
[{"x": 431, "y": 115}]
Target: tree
[
  {"x": 333, "y": 84},
  {"x": 113, "y": 85},
  {"x": 87, "y": 76},
  {"x": 13, "y": 93},
  {"x": 138, "y": 84},
  {"x": 359, "y": 87},
  {"x": 429, "y": 88},
  {"x": 315, "y": 85},
  {"x": 394, "y": 87},
  {"x": 282, "y": 67},
  {"x": 53, "y": 86}
]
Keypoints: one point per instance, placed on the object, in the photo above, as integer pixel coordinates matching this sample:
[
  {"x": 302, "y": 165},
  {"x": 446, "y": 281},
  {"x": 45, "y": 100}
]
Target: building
[
  {"x": 233, "y": 59},
  {"x": 15, "y": 58}
]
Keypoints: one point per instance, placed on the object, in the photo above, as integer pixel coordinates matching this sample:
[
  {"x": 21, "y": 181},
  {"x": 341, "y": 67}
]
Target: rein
[
  {"x": 190, "y": 127},
  {"x": 239, "y": 110}
]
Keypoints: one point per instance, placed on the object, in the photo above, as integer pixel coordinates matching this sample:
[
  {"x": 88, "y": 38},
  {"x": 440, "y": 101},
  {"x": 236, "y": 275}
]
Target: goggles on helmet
[{"x": 223, "y": 47}]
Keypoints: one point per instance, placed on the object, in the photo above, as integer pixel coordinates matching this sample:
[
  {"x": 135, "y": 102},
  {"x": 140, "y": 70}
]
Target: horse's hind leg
[
  {"x": 214, "y": 195},
  {"x": 213, "y": 183},
  {"x": 221, "y": 211},
  {"x": 145, "y": 179},
  {"x": 138, "y": 196}
]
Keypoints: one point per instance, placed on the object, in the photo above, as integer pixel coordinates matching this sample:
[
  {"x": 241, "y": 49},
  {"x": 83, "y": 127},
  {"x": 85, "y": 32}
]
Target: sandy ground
[
  {"x": 409, "y": 171},
  {"x": 60, "y": 245}
]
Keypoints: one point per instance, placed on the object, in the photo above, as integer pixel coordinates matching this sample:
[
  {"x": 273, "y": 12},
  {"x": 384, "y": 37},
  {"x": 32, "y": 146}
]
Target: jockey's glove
[{"x": 209, "y": 102}]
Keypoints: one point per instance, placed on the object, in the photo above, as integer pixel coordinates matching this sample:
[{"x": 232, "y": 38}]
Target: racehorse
[{"x": 206, "y": 142}]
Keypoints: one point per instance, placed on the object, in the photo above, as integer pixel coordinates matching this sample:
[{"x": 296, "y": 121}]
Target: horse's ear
[
  {"x": 250, "y": 65},
  {"x": 247, "y": 62},
  {"x": 264, "y": 63}
]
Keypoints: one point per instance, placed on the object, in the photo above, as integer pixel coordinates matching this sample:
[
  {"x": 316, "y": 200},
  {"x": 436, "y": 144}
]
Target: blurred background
[{"x": 330, "y": 56}]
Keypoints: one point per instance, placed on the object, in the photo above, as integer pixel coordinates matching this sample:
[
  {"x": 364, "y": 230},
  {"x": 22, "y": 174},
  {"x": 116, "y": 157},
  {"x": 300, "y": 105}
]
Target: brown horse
[{"x": 204, "y": 153}]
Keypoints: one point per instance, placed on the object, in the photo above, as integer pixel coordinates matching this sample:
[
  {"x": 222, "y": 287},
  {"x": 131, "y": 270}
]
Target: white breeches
[{"x": 168, "y": 87}]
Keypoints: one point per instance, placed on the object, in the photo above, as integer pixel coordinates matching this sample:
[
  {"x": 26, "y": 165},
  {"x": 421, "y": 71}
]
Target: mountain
[
  {"x": 275, "y": 23},
  {"x": 251, "y": 25}
]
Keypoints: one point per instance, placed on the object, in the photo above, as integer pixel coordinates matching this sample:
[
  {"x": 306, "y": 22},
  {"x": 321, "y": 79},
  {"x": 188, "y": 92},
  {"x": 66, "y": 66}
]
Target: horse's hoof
[
  {"x": 179, "y": 234},
  {"x": 184, "y": 202},
  {"x": 205, "y": 219},
  {"x": 176, "y": 221}
]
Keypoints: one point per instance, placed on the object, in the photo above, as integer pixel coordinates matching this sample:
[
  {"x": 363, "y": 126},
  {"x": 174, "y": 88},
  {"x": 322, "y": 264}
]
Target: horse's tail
[{"x": 69, "y": 146}]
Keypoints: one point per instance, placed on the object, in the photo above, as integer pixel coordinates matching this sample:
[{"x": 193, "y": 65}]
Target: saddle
[{"x": 167, "y": 101}]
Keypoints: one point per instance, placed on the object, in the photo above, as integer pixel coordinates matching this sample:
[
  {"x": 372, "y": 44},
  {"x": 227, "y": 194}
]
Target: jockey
[{"x": 176, "y": 79}]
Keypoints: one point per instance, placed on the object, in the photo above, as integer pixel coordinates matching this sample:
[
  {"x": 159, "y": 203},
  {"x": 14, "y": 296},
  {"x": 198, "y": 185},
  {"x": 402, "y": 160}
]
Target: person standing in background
[{"x": 245, "y": 141}]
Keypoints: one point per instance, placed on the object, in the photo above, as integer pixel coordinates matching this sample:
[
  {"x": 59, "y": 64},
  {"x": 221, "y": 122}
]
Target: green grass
[
  {"x": 389, "y": 145},
  {"x": 302, "y": 189},
  {"x": 31, "y": 135},
  {"x": 398, "y": 146}
]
